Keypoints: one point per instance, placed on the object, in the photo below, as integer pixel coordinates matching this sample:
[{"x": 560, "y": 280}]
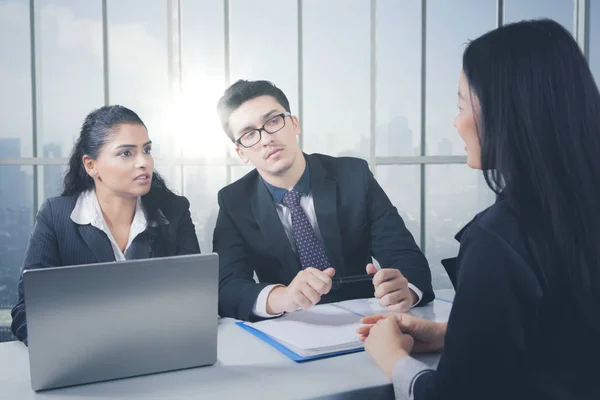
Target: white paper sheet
[{"x": 319, "y": 327}]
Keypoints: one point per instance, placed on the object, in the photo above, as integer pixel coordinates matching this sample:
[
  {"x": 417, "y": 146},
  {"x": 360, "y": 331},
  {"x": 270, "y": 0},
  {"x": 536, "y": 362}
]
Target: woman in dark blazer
[
  {"x": 525, "y": 320},
  {"x": 114, "y": 206}
]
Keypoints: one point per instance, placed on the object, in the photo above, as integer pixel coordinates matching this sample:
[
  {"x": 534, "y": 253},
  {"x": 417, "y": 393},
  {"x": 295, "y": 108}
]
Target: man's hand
[
  {"x": 391, "y": 288},
  {"x": 303, "y": 292}
]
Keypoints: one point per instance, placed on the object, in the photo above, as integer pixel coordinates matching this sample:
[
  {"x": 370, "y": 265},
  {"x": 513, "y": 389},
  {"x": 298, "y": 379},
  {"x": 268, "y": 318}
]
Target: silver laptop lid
[{"x": 105, "y": 321}]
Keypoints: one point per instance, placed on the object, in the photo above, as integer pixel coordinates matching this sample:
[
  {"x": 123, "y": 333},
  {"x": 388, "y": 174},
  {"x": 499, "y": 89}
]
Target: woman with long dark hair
[
  {"x": 114, "y": 206},
  {"x": 525, "y": 319}
]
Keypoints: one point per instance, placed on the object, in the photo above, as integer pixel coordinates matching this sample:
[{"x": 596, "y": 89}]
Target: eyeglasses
[{"x": 273, "y": 124}]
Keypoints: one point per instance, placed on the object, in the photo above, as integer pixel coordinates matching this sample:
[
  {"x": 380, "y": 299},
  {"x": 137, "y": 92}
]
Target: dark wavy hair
[
  {"x": 97, "y": 129},
  {"x": 539, "y": 129}
]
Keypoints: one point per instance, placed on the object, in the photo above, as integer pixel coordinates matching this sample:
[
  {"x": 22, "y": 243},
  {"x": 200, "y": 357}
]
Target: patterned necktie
[{"x": 310, "y": 249}]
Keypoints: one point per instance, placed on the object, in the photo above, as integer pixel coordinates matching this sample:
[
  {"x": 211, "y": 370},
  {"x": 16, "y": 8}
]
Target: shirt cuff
[
  {"x": 260, "y": 305},
  {"x": 417, "y": 292},
  {"x": 404, "y": 375}
]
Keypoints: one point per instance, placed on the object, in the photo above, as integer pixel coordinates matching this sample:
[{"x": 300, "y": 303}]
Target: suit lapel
[
  {"x": 140, "y": 247},
  {"x": 146, "y": 244},
  {"x": 98, "y": 243},
  {"x": 325, "y": 198},
  {"x": 451, "y": 264},
  {"x": 270, "y": 225}
]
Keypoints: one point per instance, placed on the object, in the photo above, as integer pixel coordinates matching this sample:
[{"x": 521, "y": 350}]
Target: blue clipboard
[{"x": 289, "y": 353}]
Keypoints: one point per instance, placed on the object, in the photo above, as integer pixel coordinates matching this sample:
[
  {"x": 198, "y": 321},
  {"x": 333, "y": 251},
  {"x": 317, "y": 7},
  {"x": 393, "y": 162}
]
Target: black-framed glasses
[{"x": 273, "y": 124}]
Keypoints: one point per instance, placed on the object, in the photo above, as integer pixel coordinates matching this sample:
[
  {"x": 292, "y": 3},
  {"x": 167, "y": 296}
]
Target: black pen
[{"x": 337, "y": 281}]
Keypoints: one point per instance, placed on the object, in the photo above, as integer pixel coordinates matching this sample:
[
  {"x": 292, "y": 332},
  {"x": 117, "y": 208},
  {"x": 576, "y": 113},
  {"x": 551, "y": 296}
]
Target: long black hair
[
  {"x": 97, "y": 129},
  {"x": 539, "y": 129}
]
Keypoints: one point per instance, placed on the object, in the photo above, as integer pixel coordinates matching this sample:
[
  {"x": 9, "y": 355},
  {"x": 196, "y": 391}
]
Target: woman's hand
[
  {"x": 428, "y": 335},
  {"x": 386, "y": 344}
]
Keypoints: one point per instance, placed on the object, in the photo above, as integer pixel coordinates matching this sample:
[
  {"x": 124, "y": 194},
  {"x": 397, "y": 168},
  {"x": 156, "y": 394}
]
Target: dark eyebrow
[
  {"x": 269, "y": 114},
  {"x": 461, "y": 96},
  {"x": 264, "y": 117},
  {"x": 132, "y": 146}
]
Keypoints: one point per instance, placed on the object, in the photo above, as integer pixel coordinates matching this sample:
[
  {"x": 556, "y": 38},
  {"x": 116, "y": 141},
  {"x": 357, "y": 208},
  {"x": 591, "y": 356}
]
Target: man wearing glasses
[{"x": 298, "y": 220}]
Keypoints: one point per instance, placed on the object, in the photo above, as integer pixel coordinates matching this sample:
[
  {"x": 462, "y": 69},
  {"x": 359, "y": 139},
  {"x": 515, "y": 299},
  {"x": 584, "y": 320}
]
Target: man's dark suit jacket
[
  {"x": 356, "y": 220},
  {"x": 58, "y": 241},
  {"x": 506, "y": 337}
]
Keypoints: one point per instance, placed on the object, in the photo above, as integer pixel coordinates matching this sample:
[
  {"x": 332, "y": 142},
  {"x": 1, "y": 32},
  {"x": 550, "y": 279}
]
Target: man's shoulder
[
  {"x": 339, "y": 166},
  {"x": 337, "y": 162},
  {"x": 243, "y": 186}
]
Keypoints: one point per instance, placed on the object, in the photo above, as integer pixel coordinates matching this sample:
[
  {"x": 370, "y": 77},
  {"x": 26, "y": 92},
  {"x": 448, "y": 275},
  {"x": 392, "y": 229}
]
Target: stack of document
[
  {"x": 322, "y": 329},
  {"x": 328, "y": 329}
]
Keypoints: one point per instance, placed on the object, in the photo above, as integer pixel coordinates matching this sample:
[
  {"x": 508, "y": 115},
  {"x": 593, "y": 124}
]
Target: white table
[{"x": 247, "y": 368}]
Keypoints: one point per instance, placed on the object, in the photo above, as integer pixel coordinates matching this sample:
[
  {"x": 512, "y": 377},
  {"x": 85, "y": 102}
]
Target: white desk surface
[{"x": 246, "y": 368}]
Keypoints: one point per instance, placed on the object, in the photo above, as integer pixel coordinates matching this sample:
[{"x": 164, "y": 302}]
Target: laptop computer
[{"x": 98, "y": 322}]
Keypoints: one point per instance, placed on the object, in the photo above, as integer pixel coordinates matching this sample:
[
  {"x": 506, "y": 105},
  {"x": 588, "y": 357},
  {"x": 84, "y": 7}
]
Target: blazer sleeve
[
  {"x": 496, "y": 303},
  {"x": 392, "y": 244},
  {"x": 187, "y": 241},
  {"x": 237, "y": 289},
  {"x": 42, "y": 252}
]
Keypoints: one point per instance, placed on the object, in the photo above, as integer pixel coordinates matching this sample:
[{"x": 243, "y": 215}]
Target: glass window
[
  {"x": 70, "y": 80},
  {"x": 196, "y": 124},
  {"x": 53, "y": 180},
  {"x": 171, "y": 175},
  {"x": 201, "y": 187},
  {"x": 336, "y": 77},
  {"x": 402, "y": 184},
  {"x": 398, "y": 88},
  {"x": 138, "y": 67},
  {"x": 264, "y": 43},
  {"x": 454, "y": 195},
  {"x": 16, "y": 222},
  {"x": 52, "y": 176},
  {"x": 594, "y": 56},
  {"x": 335, "y": 74},
  {"x": 448, "y": 30},
  {"x": 562, "y": 11},
  {"x": 239, "y": 171},
  {"x": 15, "y": 81}
]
